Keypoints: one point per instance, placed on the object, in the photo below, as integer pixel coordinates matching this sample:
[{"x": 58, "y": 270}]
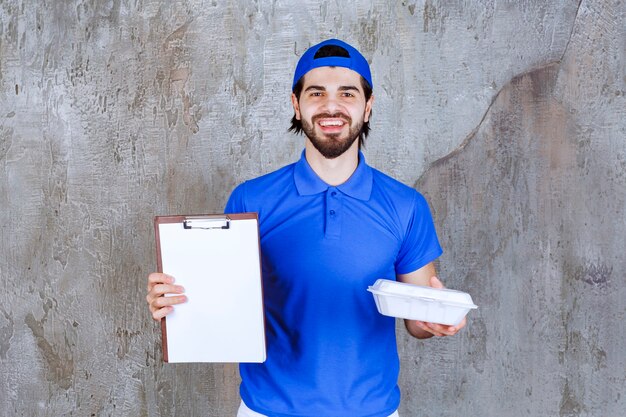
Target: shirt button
[
  {"x": 334, "y": 193},
  {"x": 332, "y": 212}
]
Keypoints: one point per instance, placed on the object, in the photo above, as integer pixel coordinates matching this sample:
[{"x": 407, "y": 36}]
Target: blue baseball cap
[{"x": 356, "y": 62}]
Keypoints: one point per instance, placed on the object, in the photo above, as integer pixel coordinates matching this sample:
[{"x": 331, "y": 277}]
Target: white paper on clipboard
[{"x": 217, "y": 259}]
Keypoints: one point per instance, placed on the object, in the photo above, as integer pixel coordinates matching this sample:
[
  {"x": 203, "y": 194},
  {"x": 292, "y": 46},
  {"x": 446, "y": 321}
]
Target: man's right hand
[{"x": 158, "y": 285}]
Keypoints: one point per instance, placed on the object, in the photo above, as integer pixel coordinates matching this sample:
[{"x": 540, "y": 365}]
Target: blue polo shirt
[{"x": 330, "y": 353}]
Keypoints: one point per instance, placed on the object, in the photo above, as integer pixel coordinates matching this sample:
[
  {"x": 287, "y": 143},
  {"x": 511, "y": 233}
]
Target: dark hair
[{"x": 323, "y": 52}]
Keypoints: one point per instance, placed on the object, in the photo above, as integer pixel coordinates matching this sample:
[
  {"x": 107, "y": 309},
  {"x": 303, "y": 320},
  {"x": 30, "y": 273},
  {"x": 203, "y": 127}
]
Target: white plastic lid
[{"x": 443, "y": 295}]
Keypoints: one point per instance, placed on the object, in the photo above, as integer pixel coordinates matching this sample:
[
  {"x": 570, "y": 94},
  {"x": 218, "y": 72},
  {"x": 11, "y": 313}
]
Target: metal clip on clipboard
[{"x": 207, "y": 223}]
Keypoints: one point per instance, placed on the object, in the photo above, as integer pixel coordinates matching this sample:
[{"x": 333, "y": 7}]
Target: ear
[
  {"x": 368, "y": 108},
  {"x": 296, "y": 106}
]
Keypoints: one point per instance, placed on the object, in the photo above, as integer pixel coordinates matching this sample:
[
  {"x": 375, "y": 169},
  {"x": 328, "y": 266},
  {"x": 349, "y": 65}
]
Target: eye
[{"x": 316, "y": 94}]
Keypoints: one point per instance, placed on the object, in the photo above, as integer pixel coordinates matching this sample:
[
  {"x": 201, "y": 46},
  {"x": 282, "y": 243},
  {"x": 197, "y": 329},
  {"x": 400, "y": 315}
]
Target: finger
[
  {"x": 426, "y": 327},
  {"x": 161, "y": 312},
  {"x": 159, "y": 278},
  {"x": 436, "y": 283},
  {"x": 438, "y": 329},
  {"x": 162, "y": 289},
  {"x": 443, "y": 329},
  {"x": 161, "y": 302},
  {"x": 451, "y": 330},
  {"x": 461, "y": 324},
  {"x": 434, "y": 332}
]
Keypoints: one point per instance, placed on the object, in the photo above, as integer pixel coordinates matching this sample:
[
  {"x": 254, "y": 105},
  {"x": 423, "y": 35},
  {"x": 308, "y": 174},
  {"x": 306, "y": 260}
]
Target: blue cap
[{"x": 356, "y": 62}]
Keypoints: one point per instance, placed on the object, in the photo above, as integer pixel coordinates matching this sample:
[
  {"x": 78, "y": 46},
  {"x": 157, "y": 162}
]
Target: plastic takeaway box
[{"x": 433, "y": 305}]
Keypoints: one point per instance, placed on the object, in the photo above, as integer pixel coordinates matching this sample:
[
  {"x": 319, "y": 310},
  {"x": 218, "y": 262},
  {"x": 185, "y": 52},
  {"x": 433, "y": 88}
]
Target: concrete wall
[{"x": 509, "y": 116}]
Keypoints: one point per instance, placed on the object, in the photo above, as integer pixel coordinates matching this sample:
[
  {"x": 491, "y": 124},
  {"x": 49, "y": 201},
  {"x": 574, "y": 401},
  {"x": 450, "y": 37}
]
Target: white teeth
[{"x": 331, "y": 123}]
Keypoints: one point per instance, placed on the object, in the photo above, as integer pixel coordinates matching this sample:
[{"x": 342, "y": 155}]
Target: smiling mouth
[{"x": 330, "y": 122}]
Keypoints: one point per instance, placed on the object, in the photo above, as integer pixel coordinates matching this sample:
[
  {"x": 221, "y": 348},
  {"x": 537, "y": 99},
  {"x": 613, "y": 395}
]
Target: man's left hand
[{"x": 435, "y": 329}]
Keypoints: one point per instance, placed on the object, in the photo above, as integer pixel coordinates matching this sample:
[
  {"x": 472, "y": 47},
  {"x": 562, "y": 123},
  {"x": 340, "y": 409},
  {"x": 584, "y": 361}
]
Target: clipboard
[{"x": 217, "y": 259}]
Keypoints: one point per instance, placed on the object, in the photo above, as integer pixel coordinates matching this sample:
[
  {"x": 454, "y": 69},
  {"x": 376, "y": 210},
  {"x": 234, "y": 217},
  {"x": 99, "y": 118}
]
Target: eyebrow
[
  {"x": 349, "y": 88},
  {"x": 342, "y": 88}
]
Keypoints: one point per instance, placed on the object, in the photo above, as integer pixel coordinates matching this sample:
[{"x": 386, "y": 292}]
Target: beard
[{"x": 332, "y": 145}]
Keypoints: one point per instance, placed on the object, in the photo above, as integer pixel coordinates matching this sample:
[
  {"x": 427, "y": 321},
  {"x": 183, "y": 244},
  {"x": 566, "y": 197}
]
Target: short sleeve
[
  {"x": 236, "y": 202},
  {"x": 420, "y": 245}
]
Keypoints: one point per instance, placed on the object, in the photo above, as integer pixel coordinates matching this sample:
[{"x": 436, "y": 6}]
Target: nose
[{"x": 331, "y": 105}]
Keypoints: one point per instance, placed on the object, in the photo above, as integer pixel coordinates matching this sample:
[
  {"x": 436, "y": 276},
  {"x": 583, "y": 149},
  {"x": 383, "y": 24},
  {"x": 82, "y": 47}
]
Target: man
[{"x": 330, "y": 226}]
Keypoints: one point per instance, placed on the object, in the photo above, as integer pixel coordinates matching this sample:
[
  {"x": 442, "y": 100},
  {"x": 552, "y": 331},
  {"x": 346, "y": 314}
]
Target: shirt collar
[{"x": 359, "y": 185}]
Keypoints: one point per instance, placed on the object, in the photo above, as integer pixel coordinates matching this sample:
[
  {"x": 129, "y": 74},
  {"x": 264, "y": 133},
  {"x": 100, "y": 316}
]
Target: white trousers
[{"x": 244, "y": 411}]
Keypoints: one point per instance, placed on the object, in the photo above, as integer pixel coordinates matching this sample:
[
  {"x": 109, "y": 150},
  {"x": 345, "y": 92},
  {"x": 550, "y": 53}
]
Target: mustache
[{"x": 337, "y": 115}]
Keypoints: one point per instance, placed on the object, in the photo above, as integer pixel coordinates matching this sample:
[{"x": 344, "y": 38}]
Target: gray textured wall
[{"x": 509, "y": 116}]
